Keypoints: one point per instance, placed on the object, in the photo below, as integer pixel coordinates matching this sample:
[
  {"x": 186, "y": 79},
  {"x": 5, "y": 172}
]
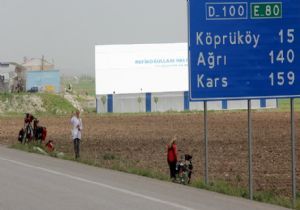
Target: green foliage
[
  {"x": 284, "y": 104},
  {"x": 85, "y": 84},
  {"x": 6, "y": 96},
  {"x": 55, "y": 104},
  {"x": 269, "y": 197},
  {"x": 90, "y": 110},
  {"x": 126, "y": 167},
  {"x": 30, "y": 147},
  {"x": 139, "y": 99},
  {"x": 221, "y": 187},
  {"x": 147, "y": 173},
  {"x": 116, "y": 164},
  {"x": 103, "y": 100},
  {"x": 51, "y": 104}
]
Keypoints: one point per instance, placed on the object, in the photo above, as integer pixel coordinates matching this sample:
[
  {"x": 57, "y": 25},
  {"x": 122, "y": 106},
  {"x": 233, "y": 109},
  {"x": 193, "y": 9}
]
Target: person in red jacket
[{"x": 172, "y": 157}]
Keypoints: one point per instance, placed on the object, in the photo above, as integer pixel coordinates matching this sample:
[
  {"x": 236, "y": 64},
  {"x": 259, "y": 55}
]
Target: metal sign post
[
  {"x": 205, "y": 143},
  {"x": 250, "y": 151},
  {"x": 293, "y": 154}
]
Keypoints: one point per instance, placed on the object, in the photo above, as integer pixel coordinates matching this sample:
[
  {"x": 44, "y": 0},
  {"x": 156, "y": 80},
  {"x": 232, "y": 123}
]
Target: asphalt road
[{"x": 35, "y": 182}]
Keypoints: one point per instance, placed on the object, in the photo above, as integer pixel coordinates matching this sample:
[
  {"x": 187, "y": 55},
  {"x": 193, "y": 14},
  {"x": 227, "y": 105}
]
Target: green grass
[
  {"x": 82, "y": 86},
  {"x": 86, "y": 86},
  {"x": 55, "y": 104},
  {"x": 284, "y": 105},
  {"x": 23, "y": 147},
  {"x": 5, "y": 96},
  {"x": 116, "y": 162},
  {"x": 225, "y": 188},
  {"x": 221, "y": 187},
  {"x": 28, "y": 147},
  {"x": 269, "y": 197}
]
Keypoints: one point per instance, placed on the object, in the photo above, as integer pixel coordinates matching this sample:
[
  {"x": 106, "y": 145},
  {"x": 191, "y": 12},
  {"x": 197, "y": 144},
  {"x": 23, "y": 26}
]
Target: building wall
[
  {"x": 169, "y": 101},
  {"x": 124, "y": 103},
  {"x": 46, "y": 81},
  {"x": 4, "y": 82},
  {"x": 39, "y": 67}
]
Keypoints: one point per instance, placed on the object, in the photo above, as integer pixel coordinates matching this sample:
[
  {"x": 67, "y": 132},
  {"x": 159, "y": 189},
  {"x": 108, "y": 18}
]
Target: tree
[
  {"x": 103, "y": 100},
  {"x": 156, "y": 101},
  {"x": 139, "y": 101}
]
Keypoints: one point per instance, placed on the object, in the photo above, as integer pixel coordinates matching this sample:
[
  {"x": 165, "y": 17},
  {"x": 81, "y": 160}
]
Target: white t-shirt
[{"x": 76, "y": 134}]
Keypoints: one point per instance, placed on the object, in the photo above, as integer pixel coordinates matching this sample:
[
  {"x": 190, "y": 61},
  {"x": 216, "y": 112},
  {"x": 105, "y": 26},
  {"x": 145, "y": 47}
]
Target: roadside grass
[
  {"x": 24, "y": 147},
  {"x": 110, "y": 161},
  {"x": 223, "y": 187},
  {"x": 220, "y": 187},
  {"x": 115, "y": 163}
]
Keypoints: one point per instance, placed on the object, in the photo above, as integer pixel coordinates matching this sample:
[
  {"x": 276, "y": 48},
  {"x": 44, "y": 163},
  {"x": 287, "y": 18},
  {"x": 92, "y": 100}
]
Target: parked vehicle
[{"x": 33, "y": 89}]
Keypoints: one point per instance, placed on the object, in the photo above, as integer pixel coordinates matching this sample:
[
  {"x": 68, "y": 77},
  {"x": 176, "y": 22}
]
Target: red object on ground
[{"x": 50, "y": 146}]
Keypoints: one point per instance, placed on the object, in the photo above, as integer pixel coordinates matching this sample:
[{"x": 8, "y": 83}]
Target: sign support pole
[
  {"x": 205, "y": 142},
  {"x": 293, "y": 154},
  {"x": 250, "y": 151}
]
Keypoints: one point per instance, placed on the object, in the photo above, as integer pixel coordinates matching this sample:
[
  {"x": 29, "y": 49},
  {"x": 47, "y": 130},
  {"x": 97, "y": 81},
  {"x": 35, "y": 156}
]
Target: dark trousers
[
  {"x": 172, "y": 166},
  {"x": 76, "y": 147}
]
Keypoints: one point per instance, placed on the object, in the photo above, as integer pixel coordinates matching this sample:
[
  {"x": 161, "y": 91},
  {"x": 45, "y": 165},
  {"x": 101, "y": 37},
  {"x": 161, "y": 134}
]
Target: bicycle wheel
[
  {"x": 24, "y": 136},
  {"x": 185, "y": 178}
]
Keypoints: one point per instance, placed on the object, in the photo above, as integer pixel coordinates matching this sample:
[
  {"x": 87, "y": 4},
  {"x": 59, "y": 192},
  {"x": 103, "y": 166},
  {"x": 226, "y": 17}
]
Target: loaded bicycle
[
  {"x": 31, "y": 132},
  {"x": 184, "y": 169}
]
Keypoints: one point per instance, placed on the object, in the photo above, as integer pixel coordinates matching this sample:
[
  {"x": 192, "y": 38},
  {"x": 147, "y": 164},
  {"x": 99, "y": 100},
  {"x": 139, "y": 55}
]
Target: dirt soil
[{"x": 140, "y": 140}]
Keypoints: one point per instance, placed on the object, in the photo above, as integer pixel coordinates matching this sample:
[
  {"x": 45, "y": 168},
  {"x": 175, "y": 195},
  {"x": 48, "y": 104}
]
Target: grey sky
[{"x": 67, "y": 30}]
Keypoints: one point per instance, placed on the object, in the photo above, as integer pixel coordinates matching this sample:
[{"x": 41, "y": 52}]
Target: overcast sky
[{"x": 67, "y": 30}]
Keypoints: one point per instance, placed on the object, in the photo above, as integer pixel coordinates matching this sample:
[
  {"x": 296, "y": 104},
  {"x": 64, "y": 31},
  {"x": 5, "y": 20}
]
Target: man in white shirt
[{"x": 76, "y": 132}]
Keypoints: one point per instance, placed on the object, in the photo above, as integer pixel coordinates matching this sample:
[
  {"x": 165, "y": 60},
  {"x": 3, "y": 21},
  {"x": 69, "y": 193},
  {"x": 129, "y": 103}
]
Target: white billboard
[{"x": 141, "y": 68}]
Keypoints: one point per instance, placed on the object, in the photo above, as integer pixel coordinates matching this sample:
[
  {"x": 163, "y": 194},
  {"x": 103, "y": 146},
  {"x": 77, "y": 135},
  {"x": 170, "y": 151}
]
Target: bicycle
[
  {"x": 184, "y": 168},
  {"x": 26, "y": 133}
]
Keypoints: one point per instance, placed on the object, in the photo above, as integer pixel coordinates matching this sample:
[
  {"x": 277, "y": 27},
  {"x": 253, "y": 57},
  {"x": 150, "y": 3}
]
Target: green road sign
[{"x": 266, "y": 10}]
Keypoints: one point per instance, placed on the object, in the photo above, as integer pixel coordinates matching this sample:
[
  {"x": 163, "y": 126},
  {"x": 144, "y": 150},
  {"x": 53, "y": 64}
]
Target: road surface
[{"x": 34, "y": 182}]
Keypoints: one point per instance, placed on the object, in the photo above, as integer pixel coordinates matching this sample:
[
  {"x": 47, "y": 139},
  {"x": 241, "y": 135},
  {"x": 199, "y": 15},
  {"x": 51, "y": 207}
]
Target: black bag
[{"x": 21, "y": 135}]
